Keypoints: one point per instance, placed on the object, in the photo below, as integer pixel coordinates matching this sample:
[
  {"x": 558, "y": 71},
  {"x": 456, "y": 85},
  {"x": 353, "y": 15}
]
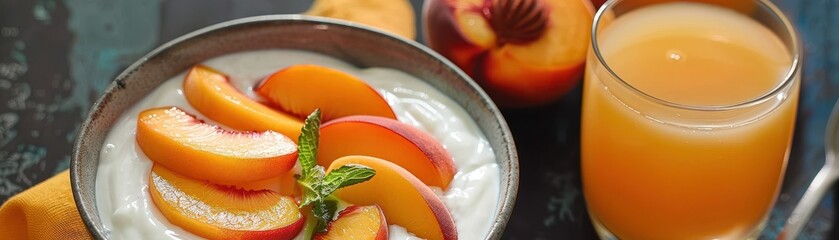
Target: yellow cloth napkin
[{"x": 45, "y": 211}]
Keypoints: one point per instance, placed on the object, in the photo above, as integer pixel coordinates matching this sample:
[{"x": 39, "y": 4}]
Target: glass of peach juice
[{"x": 687, "y": 118}]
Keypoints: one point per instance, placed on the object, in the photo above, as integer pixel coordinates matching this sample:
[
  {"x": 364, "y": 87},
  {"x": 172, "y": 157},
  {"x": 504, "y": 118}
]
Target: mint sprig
[{"x": 317, "y": 185}]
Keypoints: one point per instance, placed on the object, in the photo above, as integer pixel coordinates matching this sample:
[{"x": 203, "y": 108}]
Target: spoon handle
[{"x": 812, "y": 197}]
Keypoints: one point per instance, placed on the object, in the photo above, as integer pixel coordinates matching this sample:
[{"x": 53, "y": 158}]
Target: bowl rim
[{"x": 506, "y": 204}]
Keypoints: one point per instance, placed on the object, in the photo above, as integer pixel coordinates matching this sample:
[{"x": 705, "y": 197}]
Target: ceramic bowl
[{"x": 358, "y": 45}]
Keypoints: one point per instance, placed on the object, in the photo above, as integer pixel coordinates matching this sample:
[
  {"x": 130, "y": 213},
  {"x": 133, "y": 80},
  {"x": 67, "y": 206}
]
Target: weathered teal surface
[{"x": 57, "y": 56}]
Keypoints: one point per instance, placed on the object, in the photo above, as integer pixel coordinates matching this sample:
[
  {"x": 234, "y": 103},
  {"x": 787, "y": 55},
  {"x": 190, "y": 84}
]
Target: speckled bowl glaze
[{"x": 359, "y": 45}]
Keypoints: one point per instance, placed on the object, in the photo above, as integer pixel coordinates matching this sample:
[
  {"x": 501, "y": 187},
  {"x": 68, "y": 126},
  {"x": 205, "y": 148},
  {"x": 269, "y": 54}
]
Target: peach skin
[{"x": 410, "y": 148}]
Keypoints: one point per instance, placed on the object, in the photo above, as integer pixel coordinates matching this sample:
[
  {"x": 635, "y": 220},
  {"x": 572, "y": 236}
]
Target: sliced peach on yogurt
[
  {"x": 357, "y": 222},
  {"x": 409, "y": 147},
  {"x": 180, "y": 142},
  {"x": 222, "y": 212},
  {"x": 300, "y": 89},
  {"x": 210, "y": 92},
  {"x": 404, "y": 199}
]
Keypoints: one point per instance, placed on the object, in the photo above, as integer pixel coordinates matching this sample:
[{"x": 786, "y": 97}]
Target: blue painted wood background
[{"x": 57, "y": 56}]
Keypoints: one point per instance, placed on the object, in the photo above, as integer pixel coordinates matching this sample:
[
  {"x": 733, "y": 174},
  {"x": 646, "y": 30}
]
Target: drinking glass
[{"x": 692, "y": 144}]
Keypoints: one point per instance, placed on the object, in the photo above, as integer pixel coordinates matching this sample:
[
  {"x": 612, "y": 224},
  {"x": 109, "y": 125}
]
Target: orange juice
[{"x": 673, "y": 153}]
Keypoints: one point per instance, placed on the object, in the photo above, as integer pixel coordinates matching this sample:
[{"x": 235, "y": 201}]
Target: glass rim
[{"x": 789, "y": 78}]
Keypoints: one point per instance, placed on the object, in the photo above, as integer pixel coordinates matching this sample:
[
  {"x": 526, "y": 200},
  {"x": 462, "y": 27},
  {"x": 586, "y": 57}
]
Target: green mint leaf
[
  {"x": 310, "y": 194},
  {"x": 317, "y": 186},
  {"x": 310, "y": 185},
  {"x": 324, "y": 211},
  {"x": 345, "y": 176},
  {"x": 311, "y": 174},
  {"x": 309, "y": 197},
  {"x": 307, "y": 143}
]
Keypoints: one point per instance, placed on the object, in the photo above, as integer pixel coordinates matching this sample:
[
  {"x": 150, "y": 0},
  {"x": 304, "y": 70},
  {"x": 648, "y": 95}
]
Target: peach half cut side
[
  {"x": 300, "y": 89},
  {"x": 210, "y": 92},
  {"x": 357, "y": 222},
  {"x": 410, "y": 148},
  {"x": 223, "y": 212},
  {"x": 186, "y": 145},
  {"x": 524, "y": 53},
  {"x": 404, "y": 199}
]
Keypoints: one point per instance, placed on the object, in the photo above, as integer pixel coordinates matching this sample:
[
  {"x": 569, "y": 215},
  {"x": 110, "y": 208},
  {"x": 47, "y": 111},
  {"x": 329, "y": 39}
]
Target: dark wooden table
[{"x": 57, "y": 56}]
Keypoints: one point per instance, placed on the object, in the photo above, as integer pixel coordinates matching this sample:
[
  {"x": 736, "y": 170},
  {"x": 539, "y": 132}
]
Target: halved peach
[
  {"x": 181, "y": 142},
  {"x": 385, "y": 138},
  {"x": 404, "y": 199},
  {"x": 357, "y": 222},
  {"x": 524, "y": 53},
  {"x": 300, "y": 89},
  {"x": 210, "y": 92},
  {"x": 542, "y": 70},
  {"x": 222, "y": 212}
]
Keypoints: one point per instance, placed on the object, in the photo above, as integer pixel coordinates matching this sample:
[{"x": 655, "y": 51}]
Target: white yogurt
[{"x": 127, "y": 211}]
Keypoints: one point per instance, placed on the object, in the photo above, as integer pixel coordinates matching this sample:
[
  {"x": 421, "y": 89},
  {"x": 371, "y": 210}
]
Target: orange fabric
[{"x": 45, "y": 211}]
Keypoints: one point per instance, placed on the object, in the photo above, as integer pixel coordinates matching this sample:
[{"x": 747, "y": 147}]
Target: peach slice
[
  {"x": 385, "y": 138},
  {"x": 181, "y": 142},
  {"x": 222, "y": 212},
  {"x": 357, "y": 222},
  {"x": 300, "y": 89},
  {"x": 404, "y": 199},
  {"x": 210, "y": 92}
]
